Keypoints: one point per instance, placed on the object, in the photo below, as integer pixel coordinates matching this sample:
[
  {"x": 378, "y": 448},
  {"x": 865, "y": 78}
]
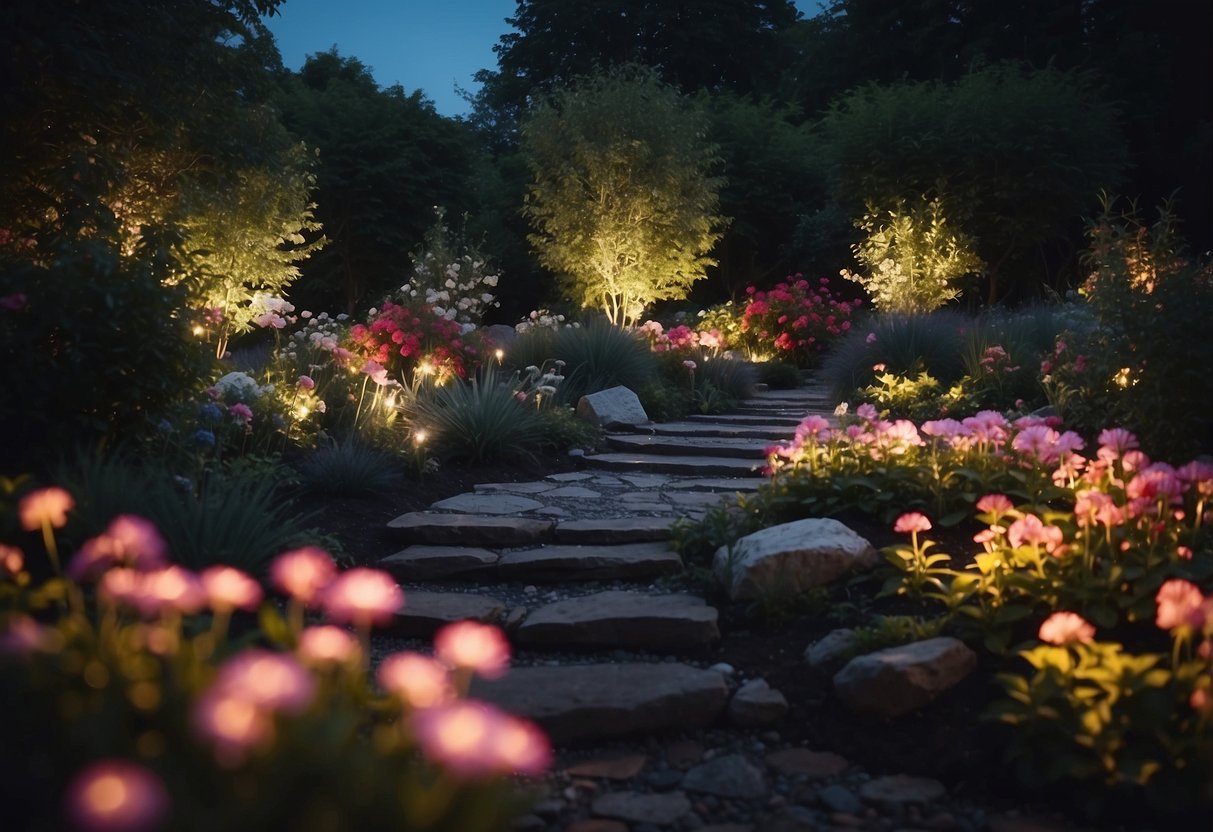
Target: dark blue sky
[{"x": 430, "y": 45}]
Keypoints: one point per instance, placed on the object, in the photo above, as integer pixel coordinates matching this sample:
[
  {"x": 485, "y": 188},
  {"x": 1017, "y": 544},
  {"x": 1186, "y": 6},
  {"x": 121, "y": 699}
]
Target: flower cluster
[
  {"x": 451, "y": 277},
  {"x": 681, "y": 337},
  {"x": 264, "y": 717},
  {"x": 412, "y": 337},
  {"x": 798, "y": 319},
  {"x": 543, "y": 319}
]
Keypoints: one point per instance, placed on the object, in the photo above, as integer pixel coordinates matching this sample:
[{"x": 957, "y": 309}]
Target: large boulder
[
  {"x": 792, "y": 557},
  {"x": 614, "y": 407},
  {"x": 901, "y": 679}
]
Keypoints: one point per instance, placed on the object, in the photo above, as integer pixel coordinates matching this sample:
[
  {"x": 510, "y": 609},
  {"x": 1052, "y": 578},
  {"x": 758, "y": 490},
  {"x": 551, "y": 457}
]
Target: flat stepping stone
[
  {"x": 570, "y": 476},
  {"x": 644, "y": 480},
  {"x": 573, "y": 491},
  {"x": 699, "y": 499},
  {"x": 747, "y": 419},
  {"x": 515, "y": 487},
  {"x": 470, "y": 529},
  {"x": 721, "y": 484},
  {"x": 426, "y": 612},
  {"x": 614, "y": 530},
  {"x": 587, "y": 703},
  {"x": 427, "y": 563},
  {"x": 726, "y": 431},
  {"x": 699, "y": 445},
  {"x": 481, "y": 503},
  {"x": 669, "y": 464},
  {"x": 589, "y": 563},
  {"x": 625, "y": 620}
]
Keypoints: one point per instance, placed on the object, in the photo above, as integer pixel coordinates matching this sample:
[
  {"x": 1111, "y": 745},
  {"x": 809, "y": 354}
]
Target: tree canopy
[{"x": 622, "y": 199}]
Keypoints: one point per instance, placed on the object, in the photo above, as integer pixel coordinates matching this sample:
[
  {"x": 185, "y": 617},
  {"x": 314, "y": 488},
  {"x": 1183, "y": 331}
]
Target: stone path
[{"x": 616, "y": 662}]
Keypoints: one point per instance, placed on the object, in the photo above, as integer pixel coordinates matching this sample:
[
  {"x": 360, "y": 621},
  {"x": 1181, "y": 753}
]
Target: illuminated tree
[{"x": 622, "y": 199}]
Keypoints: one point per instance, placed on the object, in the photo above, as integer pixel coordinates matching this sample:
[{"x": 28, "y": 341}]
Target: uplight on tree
[{"x": 622, "y": 198}]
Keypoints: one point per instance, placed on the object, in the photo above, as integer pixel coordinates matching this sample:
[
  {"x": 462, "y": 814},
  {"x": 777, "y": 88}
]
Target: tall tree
[
  {"x": 693, "y": 44},
  {"x": 622, "y": 200},
  {"x": 386, "y": 158}
]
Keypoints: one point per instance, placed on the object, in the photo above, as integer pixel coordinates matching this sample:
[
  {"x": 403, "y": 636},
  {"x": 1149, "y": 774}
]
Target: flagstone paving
[{"x": 573, "y": 568}]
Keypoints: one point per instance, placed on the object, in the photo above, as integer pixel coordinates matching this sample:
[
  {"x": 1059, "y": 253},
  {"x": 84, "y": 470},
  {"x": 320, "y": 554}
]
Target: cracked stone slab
[
  {"x": 482, "y": 503},
  {"x": 587, "y": 703},
  {"x": 699, "y": 499},
  {"x": 515, "y": 487},
  {"x": 426, "y": 612},
  {"x": 644, "y": 480},
  {"x": 420, "y": 563},
  {"x": 671, "y": 464},
  {"x": 589, "y": 563},
  {"x": 570, "y": 476},
  {"x": 573, "y": 491},
  {"x": 720, "y": 484},
  {"x": 625, "y": 620},
  {"x": 470, "y": 529},
  {"x": 614, "y": 530}
]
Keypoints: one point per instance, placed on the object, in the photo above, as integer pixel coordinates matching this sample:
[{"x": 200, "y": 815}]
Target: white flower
[
  {"x": 450, "y": 284},
  {"x": 486, "y": 297},
  {"x": 490, "y": 280}
]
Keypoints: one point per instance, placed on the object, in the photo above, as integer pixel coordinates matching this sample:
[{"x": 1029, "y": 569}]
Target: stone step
[
  {"x": 614, "y": 530},
  {"x": 735, "y": 419},
  {"x": 425, "y": 613},
  {"x": 559, "y": 562},
  {"x": 772, "y": 433},
  {"x": 719, "y": 484},
  {"x": 463, "y": 529},
  {"x": 553, "y": 562},
  {"x": 593, "y": 702},
  {"x": 690, "y": 446},
  {"x": 702, "y": 466},
  {"x": 796, "y": 413},
  {"x": 618, "y": 619}
]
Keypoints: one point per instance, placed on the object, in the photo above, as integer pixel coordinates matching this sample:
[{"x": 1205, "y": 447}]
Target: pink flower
[
  {"x": 1114, "y": 442},
  {"x": 475, "y": 740},
  {"x": 303, "y": 573},
  {"x": 474, "y": 646},
  {"x": 306, "y": 383},
  {"x": 172, "y": 589},
  {"x": 276, "y": 681},
  {"x": 24, "y": 636},
  {"x": 341, "y": 356},
  {"x": 1037, "y": 441},
  {"x": 327, "y": 645},
  {"x": 363, "y": 597},
  {"x": 232, "y": 725},
  {"x": 871, "y": 339},
  {"x": 911, "y": 522},
  {"x": 1066, "y": 628},
  {"x": 116, "y": 796},
  {"x": 14, "y": 302},
  {"x": 690, "y": 365},
  {"x": 1179, "y": 605},
  {"x": 269, "y": 319},
  {"x": 419, "y": 681},
  {"x": 242, "y": 413},
  {"x": 128, "y": 540},
  {"x": 998, "y": 504},
  {"x": 227, "y": 589},
  {"x": 12, "y": 561},
  {"x": 1092, "y": 506},
  {"x": 867, "y": 412},
  {"x": 376, "y": 371},
  {"x": 813, "y": 427},
  {"x": 46, "y": 506},
  {"x": 1030, "y": 529}
]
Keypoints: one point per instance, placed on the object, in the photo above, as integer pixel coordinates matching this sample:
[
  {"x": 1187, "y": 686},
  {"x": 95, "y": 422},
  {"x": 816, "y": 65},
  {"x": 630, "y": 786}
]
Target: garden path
[{"x": 618, "y": 661}]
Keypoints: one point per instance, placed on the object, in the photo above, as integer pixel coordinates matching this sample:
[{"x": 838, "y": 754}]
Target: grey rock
[
  {"x": 901, "y": 789},
  {"x": 699, "y": 466},
  {"x": 582, "y": 703},
  {"x": 812, "y": 765},
  {"x": 728, "y": 776},
  {"x": 482, "y": 503},
  {"x": 426, "y": 612},
  {"x": 515, "y": 487},
  {"x": 420, "y": 563},
  {"x": 833, "y": 646},
  {"x": 470, "y": 529},
  {"x": 839, "y": 799},
  {"x": 570, "y": 476},
  {"x": 611, "y": 408},
  {"x": 586, "y": 563},
  {"x": 663, "y": 781},
  {"x": 901, "y": 679},
  {"x": 573, "y": 491},
  {"x": 620, "y": 619},
  {"x": 512, "y": 619},
  {"x": 635, "y": 807},
  {"x": 614, "y": 530},
  {"x": 792, "y": 557},
  {"x": 756, "y": 704}
]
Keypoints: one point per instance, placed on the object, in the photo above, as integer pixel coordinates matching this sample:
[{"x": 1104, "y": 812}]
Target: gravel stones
[
  {"x": 729, "y": 776},
  {"x": 756, "y": 704},
  {"x": 662, "y": 809}
]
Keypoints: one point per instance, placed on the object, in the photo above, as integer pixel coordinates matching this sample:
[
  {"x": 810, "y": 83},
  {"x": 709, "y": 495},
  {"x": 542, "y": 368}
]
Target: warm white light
[
  {"x": 303, "y": 411},
  {"x": 198, "y": 330},
  {"x": 419, "y": 436}
]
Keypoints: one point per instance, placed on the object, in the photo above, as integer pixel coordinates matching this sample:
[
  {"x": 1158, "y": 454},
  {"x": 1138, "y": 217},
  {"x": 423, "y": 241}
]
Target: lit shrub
[
  {"x": 478, "y": 421},
  {"x": 794, "y": 320},
  {"x": 595, "y": 358},
  {"x": 411, "y": 337}
]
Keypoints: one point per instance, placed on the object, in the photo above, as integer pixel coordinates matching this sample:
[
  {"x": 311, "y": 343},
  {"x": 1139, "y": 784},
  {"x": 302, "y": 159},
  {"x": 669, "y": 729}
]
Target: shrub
[
  {"x": 596, "y": 357},
  {"x": 904, "y": 345},
  {"x": 409, "y": 338},
  {"x": 778, "y": 375},
  {"x": 348, "y": 468},
  {"x": 479, "y": 421},
  {"x": 450, "y": 274},
  {"x": 795, "y": 320}
]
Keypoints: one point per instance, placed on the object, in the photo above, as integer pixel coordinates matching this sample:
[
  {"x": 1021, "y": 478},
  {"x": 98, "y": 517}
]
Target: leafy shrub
[
  {"x": 562, "y": 430},
  {"x": 102, "y": 347},
  {"x": 596, "y": 357},
  {"x": 480, "y": 420},
  {"x": 778, "y": 375},
  {"x": 904, "y": 345},
  {"x": 794, "y": 319},
  {"x": 733, "y": 378},
  {"x": 410, "y": 337},
  {"x": 912, "y": 258},
  {"x": 450, "y": 274},
  {"x": 348, "y": 468},
  {"x": 1145, "y": 293}
]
